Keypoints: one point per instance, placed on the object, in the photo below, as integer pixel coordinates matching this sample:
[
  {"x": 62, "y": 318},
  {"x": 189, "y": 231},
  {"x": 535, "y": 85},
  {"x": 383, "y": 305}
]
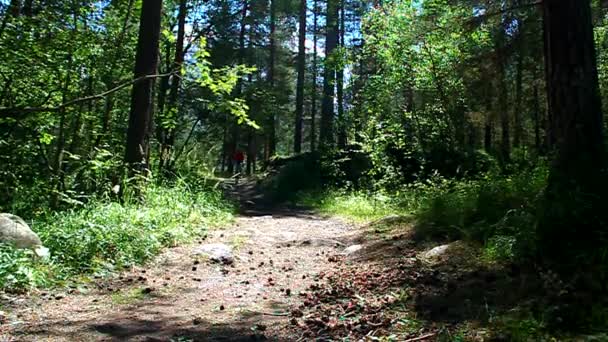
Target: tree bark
[
  {"x": 505, "y": 144},
  {"x": 313, "y": 108},
  {"x": 574, "y": 211},
  {"x": 146, "y": 62},
  {"x": 297, "y": 144},
  {"x": 518, "y": 127},
  {"x": 537, "y": 144},
  {"x": 326, "y": 134},
  {"x": 271, "y": 134},
  {"x": 340, "y": 83}
]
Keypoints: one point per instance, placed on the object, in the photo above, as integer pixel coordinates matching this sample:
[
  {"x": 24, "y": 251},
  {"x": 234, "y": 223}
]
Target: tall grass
[
  {"x": 356, "y": 206},
  {"x": 105, "y": 236},
  {"x": 497, "y": 210}
]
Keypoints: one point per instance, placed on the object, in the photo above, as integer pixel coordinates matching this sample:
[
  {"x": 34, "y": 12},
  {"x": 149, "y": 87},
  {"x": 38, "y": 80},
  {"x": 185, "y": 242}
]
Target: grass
[
  {"x": 355, "y": 206},
  {"x": 128, "y": 296},
  {"x": 496, "y": 210},
  {"x": 104, "y": 236}
]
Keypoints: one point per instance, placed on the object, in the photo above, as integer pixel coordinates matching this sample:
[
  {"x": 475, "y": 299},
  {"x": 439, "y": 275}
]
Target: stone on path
[
  {"x": 352, "y": 249},
  {"x": 321, "y": 243},
  {"x": 14, "y": 230},
  {"x": 217, "y": 252},
  {"x": 436, "y": 252}
]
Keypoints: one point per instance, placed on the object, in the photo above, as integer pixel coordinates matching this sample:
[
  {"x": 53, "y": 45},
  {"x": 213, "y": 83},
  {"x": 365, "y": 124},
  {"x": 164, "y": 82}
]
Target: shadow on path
[{"x": 254, "y": 202}]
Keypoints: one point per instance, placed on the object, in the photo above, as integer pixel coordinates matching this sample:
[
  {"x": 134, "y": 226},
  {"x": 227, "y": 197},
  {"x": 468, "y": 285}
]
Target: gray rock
[
  {"x": 217, "y": 252},
  {"x": 352, "y": 249},
  {"x": 321, "y": 243},
  {"x": 15, "y": 231},
  {"x": 436, "y": 252}
]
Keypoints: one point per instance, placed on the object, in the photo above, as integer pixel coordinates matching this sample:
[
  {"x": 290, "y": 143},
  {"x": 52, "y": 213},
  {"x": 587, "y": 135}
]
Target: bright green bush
[{"x": 104, "y": 236}]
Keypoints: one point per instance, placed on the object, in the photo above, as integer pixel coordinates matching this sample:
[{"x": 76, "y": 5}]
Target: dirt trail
[{"x": 183, "y": 297}]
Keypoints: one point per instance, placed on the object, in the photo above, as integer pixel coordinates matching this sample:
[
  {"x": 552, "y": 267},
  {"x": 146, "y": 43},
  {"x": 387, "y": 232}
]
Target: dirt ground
[{"x": 182, "y": 296}]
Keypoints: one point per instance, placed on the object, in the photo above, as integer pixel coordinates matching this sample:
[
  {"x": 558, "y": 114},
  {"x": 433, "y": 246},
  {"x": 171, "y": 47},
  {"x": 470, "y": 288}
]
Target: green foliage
[
  {"x": 356, "y": 206},
  {"x": 497, "y": 210},
  {"x": 292, "y": 175},
  {"x": 491, "y": 210},
  {"x": 21, "y": 269},
  {"x": 106, "y": 236}
]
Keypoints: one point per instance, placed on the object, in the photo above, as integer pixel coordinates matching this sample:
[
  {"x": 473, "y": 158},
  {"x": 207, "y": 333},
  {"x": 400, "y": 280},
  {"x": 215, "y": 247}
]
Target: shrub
[
  {"x": 485, "y": 209},
  {"x": 103, "y": 236}
]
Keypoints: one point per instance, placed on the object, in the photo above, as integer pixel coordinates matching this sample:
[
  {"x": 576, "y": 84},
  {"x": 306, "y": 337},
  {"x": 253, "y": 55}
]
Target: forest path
[{"x": 181, "y": 296}]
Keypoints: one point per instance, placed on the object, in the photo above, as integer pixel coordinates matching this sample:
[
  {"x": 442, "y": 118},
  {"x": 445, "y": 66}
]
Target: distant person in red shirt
[{"x": 238, "y": 159}]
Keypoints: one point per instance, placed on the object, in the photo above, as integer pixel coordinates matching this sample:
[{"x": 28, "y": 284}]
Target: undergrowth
[
  {"x": 497, "y": 210},
  {"x": 104, "y": 236}
]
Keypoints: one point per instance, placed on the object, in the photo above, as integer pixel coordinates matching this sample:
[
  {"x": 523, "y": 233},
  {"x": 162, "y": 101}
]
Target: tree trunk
[
  {"x": 326, "y": 136},
  {"x": 313, "y": 109},
  {"x": 537, "y": 144},
  {"x": 518, "y": 127},
  {"x": 297, "y": 144},
  {"x": 146, "y": 61},
  {"x": 178, "y": 61},
  {"x": 271, "y": 142},
  {"x": 340, "y": 84},
  {"x": 505, "y": 144},
  {"x": 574, "y": 213}
]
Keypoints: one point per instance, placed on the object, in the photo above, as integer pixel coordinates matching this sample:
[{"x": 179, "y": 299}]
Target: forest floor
[{"x": 295, "y": 276}]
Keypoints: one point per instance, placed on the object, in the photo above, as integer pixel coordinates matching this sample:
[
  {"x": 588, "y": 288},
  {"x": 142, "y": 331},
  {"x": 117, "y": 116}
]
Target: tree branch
[{"x": 6, "y": 112}]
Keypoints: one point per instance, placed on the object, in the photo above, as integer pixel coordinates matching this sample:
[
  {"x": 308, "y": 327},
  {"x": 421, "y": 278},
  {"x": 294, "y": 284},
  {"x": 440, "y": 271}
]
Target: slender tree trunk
[
  {"x": 537, "y": 143},
  {"x": 488, "y": 135},
  {"x": 518, "y": 127},
  {"x": 173, "y": 103},
  {"x": 505, "y": 145},
  {"x": 313, "y": 109},
  {"x": 326, "y": 136},
  {"x": 574, "y": 214},
  {"x": 163, "y": 88},
  {"x": 271, "y": 143},
  {"x": 146, "y": 62},
  {"x": 549, "y": 130},
  {"x": 340, "y": 83},
  {"x": 235, "y": 132},
  {"x": 297, "y": 144}
]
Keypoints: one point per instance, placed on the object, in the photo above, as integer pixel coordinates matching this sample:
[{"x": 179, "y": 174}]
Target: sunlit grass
[
  {"x": 105, "y": 236},
  {"x": 355, "y": 206}
]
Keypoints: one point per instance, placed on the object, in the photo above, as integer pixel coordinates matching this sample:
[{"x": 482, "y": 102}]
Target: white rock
[
  {"x": 352, "y": 249},
  {"x": 217, "y": 252},
  {"x": 436, "y": 252},
  {"x": 14, "y": 230}
]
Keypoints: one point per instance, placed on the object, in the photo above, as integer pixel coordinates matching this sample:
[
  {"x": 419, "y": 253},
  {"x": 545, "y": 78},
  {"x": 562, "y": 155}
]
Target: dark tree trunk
[
  {"x": 505, "y": 143},
  {"x": 340, "y": 84},
  {"x": 518, "y": 127},
  {"x": 574, "y": 213},
  {"x": 313, "y": 109},
  {"x": 297, "y": 143},
  {"x": 537, "y": 144},
  {"x": 549, "y": 130},
  {"x": 326, "y": 134},
  {"x": 271, "y": 143},
  {"x": 487, "y": 137},
  {"x": 146, "y": 60}
]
